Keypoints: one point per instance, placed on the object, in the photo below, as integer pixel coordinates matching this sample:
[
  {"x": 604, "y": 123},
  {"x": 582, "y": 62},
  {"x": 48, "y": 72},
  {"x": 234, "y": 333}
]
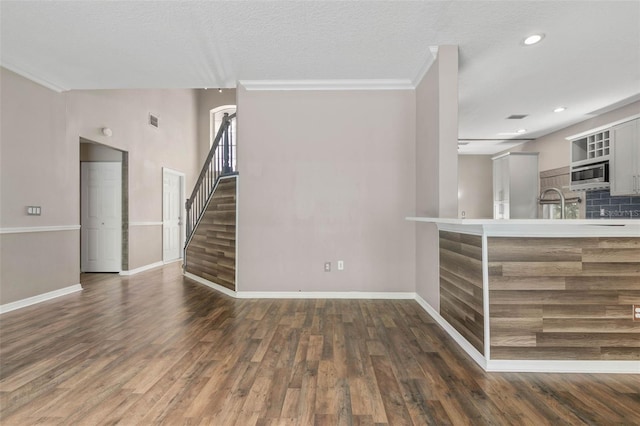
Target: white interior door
[
  {"x": 101, "y": 215},
  {"x": 171, "y": 215}
]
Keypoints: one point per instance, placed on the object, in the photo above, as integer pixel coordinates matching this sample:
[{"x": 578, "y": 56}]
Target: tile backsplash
[{"x": 601, "y": 205}]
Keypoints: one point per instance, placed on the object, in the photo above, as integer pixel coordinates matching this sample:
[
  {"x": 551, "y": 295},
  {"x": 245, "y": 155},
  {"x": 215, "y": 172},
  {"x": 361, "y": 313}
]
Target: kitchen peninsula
[{"x": 541, "y": 295}]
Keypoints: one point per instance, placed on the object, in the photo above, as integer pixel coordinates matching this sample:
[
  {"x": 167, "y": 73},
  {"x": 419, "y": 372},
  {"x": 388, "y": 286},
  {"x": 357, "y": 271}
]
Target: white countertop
[{"x": 538, "y": 227}]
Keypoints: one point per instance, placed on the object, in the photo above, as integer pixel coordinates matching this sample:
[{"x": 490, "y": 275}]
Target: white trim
[
  {"x": 168, "y": 262},
  {"x": 426, "y": 66},
  {"x": 453, "y": 333},
  {"x": 325, "y": 295},
  {"x": 237, "y": 227},
  {"x": 8, "y": 307},
  {"x": 471, "y": 229},
  {"x": 30, "y": 76},
  {"x": 485, "y": 298},
  {"x": 549, "y": 228},
  {"x": 27, "y": 229},
  {"x": 601, "y": 128},
  {"x": 617, "y": 230},
  {"x": 302, "y": 294},
  {"x": 145, "y": 224},
  {"x": 170, "y": 170},
  {"x": 183, "y": 213},
  {"x": 563, "y": 366},
  {"x": 210, "y": 284},
  {"x": 141, "y": 269},
  {"x": 380, "y": 84}
]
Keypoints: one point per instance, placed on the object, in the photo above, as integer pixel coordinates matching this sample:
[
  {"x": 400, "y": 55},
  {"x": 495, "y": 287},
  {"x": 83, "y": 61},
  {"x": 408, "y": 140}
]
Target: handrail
[{"x": 218, "y": 163}]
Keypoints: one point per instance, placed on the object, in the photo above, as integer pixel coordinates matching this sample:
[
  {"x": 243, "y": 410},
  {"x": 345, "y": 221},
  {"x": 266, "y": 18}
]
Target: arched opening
[{"x": 215, "y": 120}]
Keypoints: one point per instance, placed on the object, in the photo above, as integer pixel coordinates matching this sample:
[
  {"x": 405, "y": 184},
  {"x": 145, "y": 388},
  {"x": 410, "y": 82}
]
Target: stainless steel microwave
[{"x": 590, "y": 176}]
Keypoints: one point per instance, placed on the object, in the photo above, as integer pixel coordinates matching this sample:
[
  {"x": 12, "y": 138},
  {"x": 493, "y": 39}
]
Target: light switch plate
[{"x": 34, "y": 210}]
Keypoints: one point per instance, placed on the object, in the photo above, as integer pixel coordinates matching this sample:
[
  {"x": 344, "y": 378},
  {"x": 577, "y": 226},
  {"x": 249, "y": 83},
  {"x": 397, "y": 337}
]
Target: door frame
[{"x": 182, "y": 197}]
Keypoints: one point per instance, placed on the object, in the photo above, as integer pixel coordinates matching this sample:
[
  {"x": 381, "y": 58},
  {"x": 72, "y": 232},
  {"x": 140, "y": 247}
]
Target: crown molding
[
  {"x": 382, "y": 84},
  {"x": 30, "y": 76}
]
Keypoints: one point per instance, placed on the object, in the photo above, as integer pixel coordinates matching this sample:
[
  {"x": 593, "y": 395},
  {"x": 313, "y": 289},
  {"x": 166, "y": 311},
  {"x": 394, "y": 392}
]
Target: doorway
[
  {"x": 104, "y": 217},
  {"x": 172, "y": 215}
]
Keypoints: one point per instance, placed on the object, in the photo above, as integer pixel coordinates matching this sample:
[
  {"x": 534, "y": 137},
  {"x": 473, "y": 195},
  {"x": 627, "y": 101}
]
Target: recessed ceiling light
[
  {"x": 559, "y": 109},
  {"x": 533, "y": 39},
  {"x": 520, "y": 131}
]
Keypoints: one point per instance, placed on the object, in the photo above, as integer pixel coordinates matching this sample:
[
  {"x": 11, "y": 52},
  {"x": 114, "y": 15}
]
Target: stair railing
[{"x": 219, "y": 162}]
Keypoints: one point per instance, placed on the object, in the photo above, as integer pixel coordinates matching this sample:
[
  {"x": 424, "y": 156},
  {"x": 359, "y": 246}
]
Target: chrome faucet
[{"x": 562, "y": 200}]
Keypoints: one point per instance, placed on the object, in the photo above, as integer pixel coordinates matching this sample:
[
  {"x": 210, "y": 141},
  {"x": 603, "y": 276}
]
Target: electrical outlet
[
  {"x": 327, "y": 266},
  {"x": 636, "y": 312},
  {"x": 340, "y": 265}
]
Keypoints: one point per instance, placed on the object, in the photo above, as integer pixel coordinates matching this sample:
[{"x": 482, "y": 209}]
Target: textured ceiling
[{"x": 589, "y": 59}]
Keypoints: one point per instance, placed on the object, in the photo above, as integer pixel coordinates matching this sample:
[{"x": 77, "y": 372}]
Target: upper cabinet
[
  {"x": 594, "y": 147},
  {"x": 607, "y": 158},
  {"x": 625, "y": 159}
]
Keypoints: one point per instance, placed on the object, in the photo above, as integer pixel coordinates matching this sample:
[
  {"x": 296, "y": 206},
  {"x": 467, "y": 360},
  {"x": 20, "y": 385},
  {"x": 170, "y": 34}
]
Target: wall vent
[
  {"x": 153, "y": 120},
  {"x": 517, "y": 116}
]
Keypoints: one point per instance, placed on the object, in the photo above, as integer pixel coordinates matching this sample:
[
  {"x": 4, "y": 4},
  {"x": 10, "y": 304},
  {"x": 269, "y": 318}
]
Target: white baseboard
[
  {"x": 142, "y": 268},
  {"x": 167, "y": 262},
  {"x": 8, "y": 307},
  {"x": 455, "y": 335},
  {"x": 564, "y": 366},
  {"x": 301, "y": 294},
  {"x": 323, "y": 295},
  {"x": 210, "y": 284}
]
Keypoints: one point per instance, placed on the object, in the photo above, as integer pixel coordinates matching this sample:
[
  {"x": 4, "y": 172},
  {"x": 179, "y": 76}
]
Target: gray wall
[
  {"x": 436, "y": 164},
  {"x": 326, "y": 176},
  {"x": 36, "y": 168},
  {"x": 475, "y": 186},
  {"x": 208, "y": 100},
  {"x": 40, "y": 165}
]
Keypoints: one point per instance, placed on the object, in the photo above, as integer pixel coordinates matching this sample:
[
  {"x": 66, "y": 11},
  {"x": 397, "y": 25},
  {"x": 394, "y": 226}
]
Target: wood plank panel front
[
  {"x": 564, "y": 298},
  {"x": 211, "y": 253},
  {"x": 461, "y": 285}
]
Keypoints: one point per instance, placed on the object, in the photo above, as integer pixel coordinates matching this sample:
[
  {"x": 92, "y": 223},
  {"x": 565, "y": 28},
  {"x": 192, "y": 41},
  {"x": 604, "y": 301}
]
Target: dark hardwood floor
[{"x": 158, "y": 348}]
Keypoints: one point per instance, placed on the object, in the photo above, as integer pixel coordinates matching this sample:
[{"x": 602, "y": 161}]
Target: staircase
[{"x": 209, "y": 251}]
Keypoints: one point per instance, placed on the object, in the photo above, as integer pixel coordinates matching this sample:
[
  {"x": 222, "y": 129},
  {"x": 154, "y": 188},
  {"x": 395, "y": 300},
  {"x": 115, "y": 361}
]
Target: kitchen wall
[
  {"x": 601, "y": 205},
  {"x": 326, "y": 176},
  {"x": 576, "y": 200},
  {"x": 475, "y": 186},
  {"x": 555, "y": 155},
  {"x": 554, "y": 148},
  {"x": 40, "y": 165}
]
